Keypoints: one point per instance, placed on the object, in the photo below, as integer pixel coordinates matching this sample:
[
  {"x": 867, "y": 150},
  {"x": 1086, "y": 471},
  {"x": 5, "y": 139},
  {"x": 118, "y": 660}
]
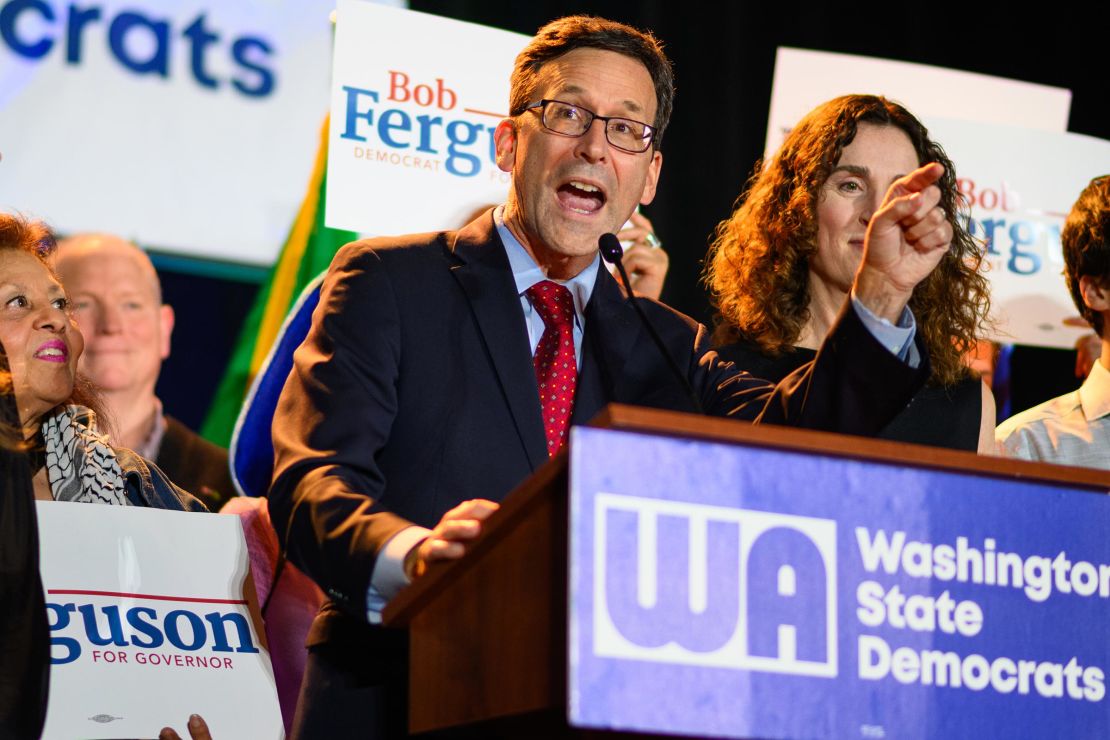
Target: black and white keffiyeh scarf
[{"x": 80, "y": 463}]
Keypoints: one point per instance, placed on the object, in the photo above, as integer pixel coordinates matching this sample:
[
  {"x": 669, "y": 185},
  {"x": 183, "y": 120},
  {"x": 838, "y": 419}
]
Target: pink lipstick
[{"x": 54, "y": 350}]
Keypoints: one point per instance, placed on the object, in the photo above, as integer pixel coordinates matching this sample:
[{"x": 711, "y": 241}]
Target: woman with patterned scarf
[{"x": 70, "y": 459}]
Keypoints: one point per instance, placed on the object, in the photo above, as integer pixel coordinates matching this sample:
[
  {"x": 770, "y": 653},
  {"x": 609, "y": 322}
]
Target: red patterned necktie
[{"x": 556, "y": 370}]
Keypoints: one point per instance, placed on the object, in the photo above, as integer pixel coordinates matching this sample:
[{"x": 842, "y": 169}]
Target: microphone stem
[{"x": 634, "y": 300}]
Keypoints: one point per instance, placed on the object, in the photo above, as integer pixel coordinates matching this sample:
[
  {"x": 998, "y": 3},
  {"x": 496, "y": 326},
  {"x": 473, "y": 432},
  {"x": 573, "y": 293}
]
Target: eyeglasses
[{"x": 565, "y": 119}]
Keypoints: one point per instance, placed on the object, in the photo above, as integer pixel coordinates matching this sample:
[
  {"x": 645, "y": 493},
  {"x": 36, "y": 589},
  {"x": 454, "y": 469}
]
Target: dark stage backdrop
[
  {"x": 724, "y": 59},
  {"x": 209, "y": 311}
]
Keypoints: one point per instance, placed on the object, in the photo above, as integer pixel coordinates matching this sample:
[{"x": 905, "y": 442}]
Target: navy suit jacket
[{"x": 415, "y": 391}]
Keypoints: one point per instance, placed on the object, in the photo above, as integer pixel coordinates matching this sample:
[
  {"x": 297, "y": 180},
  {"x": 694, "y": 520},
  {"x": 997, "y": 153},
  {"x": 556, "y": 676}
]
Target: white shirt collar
[
  {"x": 1094, "y": 394},
  {"x": 527, "y": 273}
]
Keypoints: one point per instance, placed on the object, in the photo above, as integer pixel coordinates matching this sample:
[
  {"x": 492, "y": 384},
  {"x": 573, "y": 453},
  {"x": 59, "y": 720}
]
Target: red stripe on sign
[
  {"x": 484, "y": 113},
  {"x": 82, "y": 592}
]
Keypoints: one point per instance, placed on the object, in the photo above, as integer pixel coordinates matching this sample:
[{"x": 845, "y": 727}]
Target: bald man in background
[{"x": 117, "y": 301}]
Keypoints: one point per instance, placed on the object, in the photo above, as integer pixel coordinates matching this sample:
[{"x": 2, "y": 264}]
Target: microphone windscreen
[{"x": 611, "y": 249}]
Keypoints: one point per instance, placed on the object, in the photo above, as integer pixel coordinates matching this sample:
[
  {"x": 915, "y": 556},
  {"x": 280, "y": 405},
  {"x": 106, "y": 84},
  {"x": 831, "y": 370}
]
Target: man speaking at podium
[{"x": 442, "y": 369}]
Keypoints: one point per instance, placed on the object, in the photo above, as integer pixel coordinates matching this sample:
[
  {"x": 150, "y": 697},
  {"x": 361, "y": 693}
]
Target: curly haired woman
[{"x": 781, "y": 267}]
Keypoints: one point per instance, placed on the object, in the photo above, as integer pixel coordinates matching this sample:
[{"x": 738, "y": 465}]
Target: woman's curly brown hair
[{"x": 758, "y": 264}]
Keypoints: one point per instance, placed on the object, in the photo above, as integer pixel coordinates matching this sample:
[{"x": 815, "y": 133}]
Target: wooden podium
[{"x": 488, "y": 633}]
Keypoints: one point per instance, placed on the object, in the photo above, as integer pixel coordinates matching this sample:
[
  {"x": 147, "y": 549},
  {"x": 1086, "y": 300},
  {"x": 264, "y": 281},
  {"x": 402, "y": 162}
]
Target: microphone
[{"x": 612, "y": 252}]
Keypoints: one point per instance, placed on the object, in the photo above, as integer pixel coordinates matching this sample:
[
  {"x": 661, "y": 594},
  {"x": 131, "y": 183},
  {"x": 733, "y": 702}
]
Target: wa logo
[{"x": 713, "y": 586}]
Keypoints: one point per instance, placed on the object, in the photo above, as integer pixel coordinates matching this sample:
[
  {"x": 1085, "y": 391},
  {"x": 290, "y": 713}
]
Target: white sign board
[
  {"x": 187, "y": 125},
  {"x": 151, "y": 621},
  {"x": 1020, "y": 184},
  {"x": 804, "y": 79},
  {"x": 415, "y": 100}
]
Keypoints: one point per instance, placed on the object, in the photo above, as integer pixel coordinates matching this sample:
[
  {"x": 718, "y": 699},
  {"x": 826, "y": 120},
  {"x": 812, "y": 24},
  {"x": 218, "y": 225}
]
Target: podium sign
[{"x": 738, "y": 591}]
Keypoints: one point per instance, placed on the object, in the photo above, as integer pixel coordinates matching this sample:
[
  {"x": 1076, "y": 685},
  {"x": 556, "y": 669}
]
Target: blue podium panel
[{"x": 728, "y": 591}]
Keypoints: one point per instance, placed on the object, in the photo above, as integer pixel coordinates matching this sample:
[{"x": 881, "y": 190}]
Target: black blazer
[
  {"x": 25, "y": 641},
  {"x": 195, "y": 464},
  {"x": 415, "y": 390}
]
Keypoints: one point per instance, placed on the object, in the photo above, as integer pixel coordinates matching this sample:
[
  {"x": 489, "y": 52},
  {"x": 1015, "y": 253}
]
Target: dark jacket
[
  {"x": 415, "y": 391},
  {"x": 195, "y": 464}
]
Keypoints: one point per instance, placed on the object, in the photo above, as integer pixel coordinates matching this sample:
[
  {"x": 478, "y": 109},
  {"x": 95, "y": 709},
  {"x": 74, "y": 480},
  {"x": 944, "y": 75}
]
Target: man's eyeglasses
[{"x": 565, "y": 119}]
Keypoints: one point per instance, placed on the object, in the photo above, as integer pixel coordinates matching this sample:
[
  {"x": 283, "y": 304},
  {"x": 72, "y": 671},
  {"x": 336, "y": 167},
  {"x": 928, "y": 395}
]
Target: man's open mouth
[{"x": 581, "y": 197}]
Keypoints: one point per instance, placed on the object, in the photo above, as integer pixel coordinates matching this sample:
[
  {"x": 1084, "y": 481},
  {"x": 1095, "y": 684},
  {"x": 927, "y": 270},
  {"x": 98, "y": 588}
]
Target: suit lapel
[
  {"x": 611, "y": 332},
  {"x": 483, "y": 272}
]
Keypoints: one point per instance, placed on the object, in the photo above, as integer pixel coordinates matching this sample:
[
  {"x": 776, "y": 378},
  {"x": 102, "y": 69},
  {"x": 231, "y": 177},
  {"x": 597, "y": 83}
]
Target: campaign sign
[
  {"x": 1019, "y": 184},
  {"x": 805, "y": 78},
  {"x": 729, "y": 591},
  {"x": 415, "y": 101},
  {"x": 187, "y": 125},
  {"x": 152, "y": 619}
]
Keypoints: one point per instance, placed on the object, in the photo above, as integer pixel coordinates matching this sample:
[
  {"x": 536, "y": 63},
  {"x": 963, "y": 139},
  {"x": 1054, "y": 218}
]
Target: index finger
[
  {"x": 478, "y": 508},
  {"x": 640, "y": 220},
  {"x": 198, "y": 728},
  {"x": 920, "y": 178},
  {"x": 632, "y": 234}
]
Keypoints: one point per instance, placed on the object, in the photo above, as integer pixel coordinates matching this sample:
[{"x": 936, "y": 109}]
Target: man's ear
[
  {"x": 504, "y": 139},
  {"x": 1095, "y": 292},
  {"x": 652, "y": 180},
  {"x": 165, "y": 319}
]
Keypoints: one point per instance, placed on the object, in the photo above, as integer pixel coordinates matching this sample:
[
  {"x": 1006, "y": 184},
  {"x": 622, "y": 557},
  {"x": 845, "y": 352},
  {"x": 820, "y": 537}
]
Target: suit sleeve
[
  {"x": 333, "y": 418},
  {"x": 855, "y": 385}
]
